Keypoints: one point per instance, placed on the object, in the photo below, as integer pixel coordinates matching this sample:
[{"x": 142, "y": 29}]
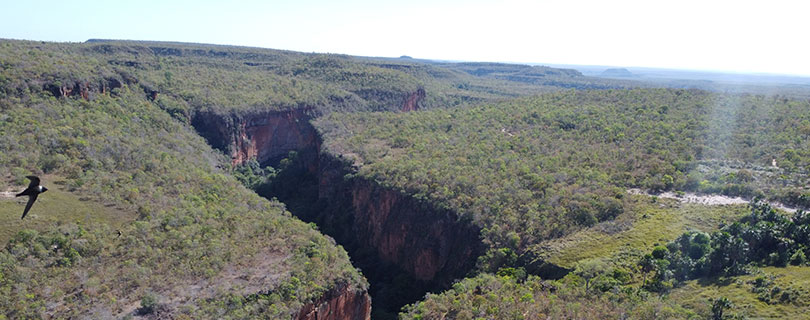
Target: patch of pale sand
[
  {"x": 7, "y": 194},
  {"x": 707, "y": 199}
]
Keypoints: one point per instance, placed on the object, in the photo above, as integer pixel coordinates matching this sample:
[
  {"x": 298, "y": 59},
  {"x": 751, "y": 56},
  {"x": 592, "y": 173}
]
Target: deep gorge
[{"x": 404, "y": 247}]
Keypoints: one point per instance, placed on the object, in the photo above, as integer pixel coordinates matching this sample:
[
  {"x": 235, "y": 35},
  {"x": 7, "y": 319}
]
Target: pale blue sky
[{"x": 745, "y": 36}]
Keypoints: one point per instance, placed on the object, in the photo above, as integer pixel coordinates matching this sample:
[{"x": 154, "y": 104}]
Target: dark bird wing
[
  {"x": 32, "y": 187},
  {"x": 34, "y": 181},
  {"x": 31, "y": 199}
]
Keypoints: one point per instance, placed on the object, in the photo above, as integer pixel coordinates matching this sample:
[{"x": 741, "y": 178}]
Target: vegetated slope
[
  {"x": 646, "y": 223},
  {"x": 537, "y": 168},
  {"x": 81, "y": 209},
  {"x": 221, "y": 91},
  {"x": 228, "y": 88},
  {"x": 225, "y": 78},
  {"x": 743, "y": 270},
  {"x": 202, "y": 246},
  {"x": 506, "y": 296},
  {"x": 766, "y": 293}
]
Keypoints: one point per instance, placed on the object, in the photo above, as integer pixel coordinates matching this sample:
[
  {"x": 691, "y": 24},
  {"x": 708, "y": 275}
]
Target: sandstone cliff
[
  {"x": 412, "y": 100},
  {"x": 341, "y": 303},
  {"x": 385, "y": 231},
  {"x": 429, "y": 244},
  {"x": 265, "y": 136}
]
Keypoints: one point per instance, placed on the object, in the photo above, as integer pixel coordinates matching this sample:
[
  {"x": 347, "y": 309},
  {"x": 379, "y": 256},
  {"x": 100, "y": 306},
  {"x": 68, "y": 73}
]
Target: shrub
[{"x": 149, "y": 303}]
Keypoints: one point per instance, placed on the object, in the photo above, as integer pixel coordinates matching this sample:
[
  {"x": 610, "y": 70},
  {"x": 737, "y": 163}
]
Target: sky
[{"x": 715, "y": 35}]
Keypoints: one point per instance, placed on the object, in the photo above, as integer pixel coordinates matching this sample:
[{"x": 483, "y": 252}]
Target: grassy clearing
[
  {"x": 648, "y": 222},
  {"x": 56, "y": 206},
  {"x": 740, "y": 291}
]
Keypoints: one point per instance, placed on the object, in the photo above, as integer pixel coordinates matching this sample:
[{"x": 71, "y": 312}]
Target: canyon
[{"x": 404, "y": 246}]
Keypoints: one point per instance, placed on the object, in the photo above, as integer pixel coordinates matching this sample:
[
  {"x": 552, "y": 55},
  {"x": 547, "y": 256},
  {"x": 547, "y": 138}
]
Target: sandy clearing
[{"x": 707, "y": 199}]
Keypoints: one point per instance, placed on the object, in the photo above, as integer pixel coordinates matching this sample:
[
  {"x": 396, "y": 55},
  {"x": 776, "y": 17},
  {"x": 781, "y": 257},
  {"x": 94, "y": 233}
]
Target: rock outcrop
[
  {"x": 412, "y": 100},
  {"x": 341, "y": 303},
  {"x": 83, "y": 89},
  {"x": 390, "y": 235},
  {"x": 87, "y": 89},
  {"x": 265, "y": 137},
  {"x": 429, "y": 244}
]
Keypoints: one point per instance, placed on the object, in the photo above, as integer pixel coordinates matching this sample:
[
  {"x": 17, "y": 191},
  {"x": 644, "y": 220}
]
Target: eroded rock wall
[
  {"x": 390, "y": 235},
  {"x": 341, "y": 303},
  {"x": 264, "y": 136},
  {"x": 413, "y": 100},
  {"x": 428, "y": 243}
]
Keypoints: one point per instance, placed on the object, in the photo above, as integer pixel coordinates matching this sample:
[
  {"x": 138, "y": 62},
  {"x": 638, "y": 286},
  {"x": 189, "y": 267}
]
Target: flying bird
[{"x": 33, "y": 191}]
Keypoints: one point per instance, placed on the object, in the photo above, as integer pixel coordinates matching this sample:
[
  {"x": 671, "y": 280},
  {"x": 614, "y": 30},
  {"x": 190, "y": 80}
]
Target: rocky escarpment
[
  {"x": 412, "y": 100},
  {"x": 404, "y": 246},
  {"x": 265, "y": 137},
  {"x": 87, "y": 89},
  {"x": 340, "y": 303},
  {"x": 428, "y": 243}
]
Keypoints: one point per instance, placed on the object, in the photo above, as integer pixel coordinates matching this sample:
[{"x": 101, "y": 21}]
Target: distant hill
[
  {"x": 617, "y": 73},
  {"x": 537, "y": 75}
]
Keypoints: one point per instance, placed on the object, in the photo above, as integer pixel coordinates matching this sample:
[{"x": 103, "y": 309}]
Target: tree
[
  {"x": 590, "y": 269},
  {"x": 659, "y": 252},
  {"x": 647, "y": 264},
  {"x": 728, "y": 254}
]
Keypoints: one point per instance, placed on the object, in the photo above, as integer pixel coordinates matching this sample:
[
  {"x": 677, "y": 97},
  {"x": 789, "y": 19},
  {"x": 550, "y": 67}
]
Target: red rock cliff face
[
  {"x": 429, "y": 244},
  {"x": 426, "y": 243},
  {"x": 273, "y": 135},
  {"x": 341, "y": 303},
  {"x": 262, "y": 136},
  {"x": 412, "y": 100}
]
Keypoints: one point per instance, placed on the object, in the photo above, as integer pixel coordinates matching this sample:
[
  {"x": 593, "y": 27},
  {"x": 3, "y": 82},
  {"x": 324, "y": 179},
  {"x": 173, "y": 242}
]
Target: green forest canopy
[{"x": 540, "y": 167}]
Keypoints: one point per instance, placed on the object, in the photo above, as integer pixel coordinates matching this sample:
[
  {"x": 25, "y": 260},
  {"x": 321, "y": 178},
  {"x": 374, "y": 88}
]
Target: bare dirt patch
[{"x": 707, "y": 199}]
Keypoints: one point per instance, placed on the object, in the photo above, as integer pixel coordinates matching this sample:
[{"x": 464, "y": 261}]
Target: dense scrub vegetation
[
  {"x": 111, "y": 121},
  {"x": 202, "y": 245},
  {"x": 537, "y": 168},
  {"x": 763, "y": 238},
  {"x": 185, "y": 78},
  {"x": 506, "y": 296},
  {"x": 538, "y": 75},
  {"x": 626, "y": 239},
  {"x": 602, "y": 289}
]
